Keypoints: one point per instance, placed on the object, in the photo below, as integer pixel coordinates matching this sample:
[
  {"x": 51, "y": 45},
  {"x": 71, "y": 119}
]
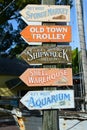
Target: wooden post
[{"x": 50, "y": 117}]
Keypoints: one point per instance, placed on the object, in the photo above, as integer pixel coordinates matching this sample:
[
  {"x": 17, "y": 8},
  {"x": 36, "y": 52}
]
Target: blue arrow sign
[{"x": 55, "y": 99}]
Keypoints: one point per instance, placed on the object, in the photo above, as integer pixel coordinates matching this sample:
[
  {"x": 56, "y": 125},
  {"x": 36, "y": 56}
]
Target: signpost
[
  {"x": 55, "y": 99},
  {"x": 45, "y": 55},
  {"x": 43, "y": 33},
  {"x": 46, "y": 13},
  {"x": 47, "y": 77}
]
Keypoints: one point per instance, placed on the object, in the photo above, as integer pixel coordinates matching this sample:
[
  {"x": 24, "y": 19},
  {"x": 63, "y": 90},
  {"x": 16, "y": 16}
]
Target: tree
[
  {"x": 9, "y": 8},
  {"x": 11, "y": 42},
  {"x": 75, "y": 61}
]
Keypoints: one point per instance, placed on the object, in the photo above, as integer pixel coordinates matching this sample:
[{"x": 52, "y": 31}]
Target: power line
[{"x": 7, "y": 6}]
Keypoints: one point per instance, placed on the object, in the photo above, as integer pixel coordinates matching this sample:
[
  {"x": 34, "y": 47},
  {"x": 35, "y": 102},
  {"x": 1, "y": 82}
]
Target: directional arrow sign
[
  {"x": 47, "y": 77},
  {"x": 57, "y": 99},
  {"x": 49, "y": 13},
  {"x": 45, "y": 55},
  {"x": 38, "y": 33}
]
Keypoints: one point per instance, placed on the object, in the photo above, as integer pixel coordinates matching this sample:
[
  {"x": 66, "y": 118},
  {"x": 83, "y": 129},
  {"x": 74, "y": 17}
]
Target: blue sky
[{"x": 74, "y": 25}]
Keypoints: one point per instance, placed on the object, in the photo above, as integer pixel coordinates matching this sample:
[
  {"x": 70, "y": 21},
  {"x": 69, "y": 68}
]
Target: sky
[{"x": 74, "y": 25}]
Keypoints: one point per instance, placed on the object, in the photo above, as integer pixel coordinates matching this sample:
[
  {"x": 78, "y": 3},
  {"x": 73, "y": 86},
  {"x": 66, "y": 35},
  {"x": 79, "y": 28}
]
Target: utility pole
[
  {"x": 50, "y": 117},
  {"x": 79, "y": 8}
]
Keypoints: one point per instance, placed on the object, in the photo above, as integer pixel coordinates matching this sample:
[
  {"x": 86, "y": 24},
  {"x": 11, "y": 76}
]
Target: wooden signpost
[
  {"x": 45, "y": 55},
  {"x": 55, "y": 99},
  {"x": 46, "y": 13},
  {"x": 50, "y": 33},
  {"x": 47, "y": 77}
]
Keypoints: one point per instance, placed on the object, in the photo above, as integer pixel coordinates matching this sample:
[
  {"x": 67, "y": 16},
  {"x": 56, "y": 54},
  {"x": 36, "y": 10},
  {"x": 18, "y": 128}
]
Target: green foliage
[
  {"x": 22, "y": 3},
  {"x": 10, "y": 37},
  {"x": 8, "y": 8},
  {"x": 75, "y": 61},
  {"x": 17, "y": 50}
]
